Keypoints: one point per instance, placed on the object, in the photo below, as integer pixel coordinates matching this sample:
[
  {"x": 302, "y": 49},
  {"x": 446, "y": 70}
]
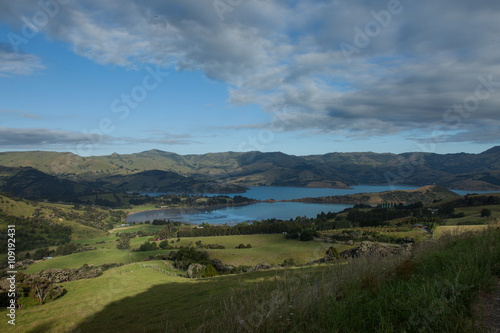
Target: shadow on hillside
[
  {"x": 43, "y": 327},
  {"x": 177, "y": 306}
]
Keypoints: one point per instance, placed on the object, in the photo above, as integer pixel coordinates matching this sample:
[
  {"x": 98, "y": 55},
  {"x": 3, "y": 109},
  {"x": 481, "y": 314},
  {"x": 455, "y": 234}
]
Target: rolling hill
[
  {"x": 222, "y": 171},
  {"x": 424, "y": 194}
]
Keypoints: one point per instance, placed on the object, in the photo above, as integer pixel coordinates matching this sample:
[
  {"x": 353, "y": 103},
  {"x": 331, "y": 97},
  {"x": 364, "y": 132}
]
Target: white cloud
[
  {"x": 283, "y": 55},
  {"x": 13, "y": 63}
]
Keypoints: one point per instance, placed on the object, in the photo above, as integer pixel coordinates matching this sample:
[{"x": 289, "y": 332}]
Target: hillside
[
  {"x": 28, "y": 182},
  {"x": 425, "y": 194},
  {"x": 31, "y": 183},
  {"x": 457, "y": 171}
]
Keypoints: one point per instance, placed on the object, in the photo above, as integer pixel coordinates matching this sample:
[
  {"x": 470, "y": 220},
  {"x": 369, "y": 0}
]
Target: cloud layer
[
  {"x": 15, "y": 63},
  {"x": 356, "y": 69}
]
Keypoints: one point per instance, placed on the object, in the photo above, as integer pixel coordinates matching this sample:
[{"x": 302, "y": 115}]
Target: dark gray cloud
[
  {"x": 24, "y": 137},
  {"x": 400, "y": 75},
  {"x": 46, "y": 138}
]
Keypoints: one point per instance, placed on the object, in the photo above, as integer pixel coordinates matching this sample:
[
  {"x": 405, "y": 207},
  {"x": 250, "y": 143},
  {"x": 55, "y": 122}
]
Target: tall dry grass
[{"x": 431, "y": 289}]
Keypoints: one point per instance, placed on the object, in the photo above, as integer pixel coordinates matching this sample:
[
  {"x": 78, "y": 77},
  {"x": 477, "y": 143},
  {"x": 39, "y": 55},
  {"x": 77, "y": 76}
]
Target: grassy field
[
  {"x": 132, "y": 298},
  {"x": 473, "y": 215},
  {"x": 457, "y": 229},
  {"x": 388, "y": 295},
  {"x": 96, "y": 257},
  {"x": 269, "y": 249}
]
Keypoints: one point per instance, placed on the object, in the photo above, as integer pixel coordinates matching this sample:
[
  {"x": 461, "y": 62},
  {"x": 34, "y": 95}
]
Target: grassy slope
[
  {"x": 87, "y": 297},
  {"x": 425, "y": 194},
  {"x": 26, "y": 208},
  {"x": 57, "y": 163},
  {"x": 96, "y": 257},
  {"x": 133, "y": 299},
  {"x": 270, "y": 249},
  {"x": 137, "y": 299},
  {"x": 451, "y": 170}
]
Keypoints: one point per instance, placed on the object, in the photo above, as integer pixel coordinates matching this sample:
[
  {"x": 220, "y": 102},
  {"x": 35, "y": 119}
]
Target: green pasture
[
  {"x": 473, "y": 215},
  {"x": 132, "y": 298},
  {"x": 94, "y": 257}
]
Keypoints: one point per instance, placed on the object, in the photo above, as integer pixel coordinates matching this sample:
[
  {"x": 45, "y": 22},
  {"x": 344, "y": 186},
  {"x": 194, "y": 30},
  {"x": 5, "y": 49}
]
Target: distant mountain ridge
[{"x": 341, "y": 170}]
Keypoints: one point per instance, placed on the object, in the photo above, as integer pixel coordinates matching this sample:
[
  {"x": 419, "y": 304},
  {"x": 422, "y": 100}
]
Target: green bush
[{"x": 306, "y": 235}]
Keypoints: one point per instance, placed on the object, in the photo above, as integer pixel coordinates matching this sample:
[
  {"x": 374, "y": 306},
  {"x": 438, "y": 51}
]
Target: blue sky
[{"x": 194, "y": 77}]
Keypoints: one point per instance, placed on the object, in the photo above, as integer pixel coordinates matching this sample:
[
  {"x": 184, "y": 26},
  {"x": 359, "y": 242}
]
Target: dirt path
[{"x": 488, "y": 311}]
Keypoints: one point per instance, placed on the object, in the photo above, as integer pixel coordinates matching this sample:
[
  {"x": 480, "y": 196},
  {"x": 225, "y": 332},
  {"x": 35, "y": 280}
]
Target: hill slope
[
  {"x": 458, "y": 171},
  {"x": 425, "y": 194}
]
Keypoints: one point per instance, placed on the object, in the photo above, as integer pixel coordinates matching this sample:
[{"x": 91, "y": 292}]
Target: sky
[{"x": 301, "y": 77}]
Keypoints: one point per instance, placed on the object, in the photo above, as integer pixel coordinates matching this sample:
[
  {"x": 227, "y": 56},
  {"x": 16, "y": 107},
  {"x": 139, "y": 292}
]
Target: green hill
[
  {"x": 425, "y": 194},
  {"x": 457, "y": 171}
]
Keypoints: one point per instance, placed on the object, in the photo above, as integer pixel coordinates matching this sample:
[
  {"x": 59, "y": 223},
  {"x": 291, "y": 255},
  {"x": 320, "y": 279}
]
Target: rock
[
  {"x": 373, "y": 249},
  {"x": 350, "y": 242},
  {"x": 260, "y": 267}
]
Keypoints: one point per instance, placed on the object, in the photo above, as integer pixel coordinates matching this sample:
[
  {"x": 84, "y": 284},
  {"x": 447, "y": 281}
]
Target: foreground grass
[
  {"x": 432, "y": 290},
  {"x": 132, "y": 298},
  {"x": 457, "y": 229},
  {"x": 86, "y": 298}
]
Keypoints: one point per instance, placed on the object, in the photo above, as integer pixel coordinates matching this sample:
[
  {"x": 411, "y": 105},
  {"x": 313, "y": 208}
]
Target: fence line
[{"x": 156, "y": 267}]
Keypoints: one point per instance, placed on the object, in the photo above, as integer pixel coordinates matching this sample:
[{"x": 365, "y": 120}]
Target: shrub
[
  {"x": 209, "y": 271},
  {"x": 485, "y": 212},
  {"x": 306, "y": 235},
  {"x": 147, "y": 246}
]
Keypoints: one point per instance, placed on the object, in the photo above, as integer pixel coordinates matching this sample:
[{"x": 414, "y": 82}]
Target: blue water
[
  {"x": 238, "y": 214},
  {"x": 278, "y": 210}
]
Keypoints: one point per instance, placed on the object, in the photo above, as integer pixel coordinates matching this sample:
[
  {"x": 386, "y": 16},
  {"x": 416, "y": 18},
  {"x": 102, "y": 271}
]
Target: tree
[
  {"x": 147, "y": 246},
  {"x": 123, "y": 242},
  {"x": 446, "y": 209},
  {"x": 66, "y": 249},
  {"x": 485, "y": 212},
  {"x": 164, "y": 244},
  {"x": 332, "y": 254},
  {"x": 306, "y": 235}
]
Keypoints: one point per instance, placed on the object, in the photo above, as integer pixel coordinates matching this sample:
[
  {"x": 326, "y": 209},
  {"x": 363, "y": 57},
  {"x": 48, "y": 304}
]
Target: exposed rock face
[{"x": 373, "y": 249}]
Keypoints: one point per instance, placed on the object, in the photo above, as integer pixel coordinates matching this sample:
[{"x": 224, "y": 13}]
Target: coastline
[{"x": 195, "y": 209}]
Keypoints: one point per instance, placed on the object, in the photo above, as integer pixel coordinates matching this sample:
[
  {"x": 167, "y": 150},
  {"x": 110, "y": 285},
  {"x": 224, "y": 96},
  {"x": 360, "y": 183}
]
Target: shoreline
[{"x": 196, "y": 209}]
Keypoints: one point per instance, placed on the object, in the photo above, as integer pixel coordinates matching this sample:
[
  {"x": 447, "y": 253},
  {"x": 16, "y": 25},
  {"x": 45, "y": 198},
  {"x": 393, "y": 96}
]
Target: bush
[
  {"x": 165, "y": 245},
  {"x": 186, "y": 256},
  {"x": 147, "y": 246},
  {"x": 485, "y": 212},
  {"x": 332, "y": 254},
  {"x": 306, "y": 235},
  {"x": 209, "y": 271}
]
